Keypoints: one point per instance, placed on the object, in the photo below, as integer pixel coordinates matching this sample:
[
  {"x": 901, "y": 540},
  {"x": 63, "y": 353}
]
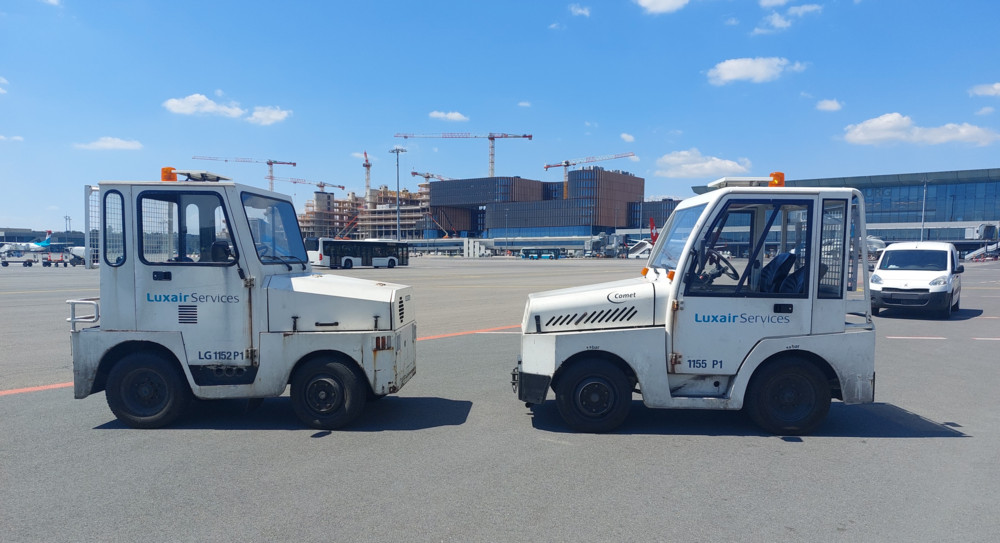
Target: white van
[{"x": 922, "y": 275}]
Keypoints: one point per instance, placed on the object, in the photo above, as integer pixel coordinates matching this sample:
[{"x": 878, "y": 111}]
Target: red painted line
[
  {"x": 34, "y": 389},
  {"x": 441, "y": 336},
  {"x": 484, "y": 330}
]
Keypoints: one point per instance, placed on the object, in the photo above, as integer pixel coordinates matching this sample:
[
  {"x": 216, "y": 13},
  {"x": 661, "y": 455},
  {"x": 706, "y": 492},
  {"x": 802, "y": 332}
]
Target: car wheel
[
  {"x": 954, "y": 306},
  {"x": 875, "y": 309},
  {"x": 788, "y": 397},
  {"x": 327, "y": 394},
  {"x": 946, "y": 312},
  {"x": 593, "y": 396},
  {"x": 146, "y": 391}
]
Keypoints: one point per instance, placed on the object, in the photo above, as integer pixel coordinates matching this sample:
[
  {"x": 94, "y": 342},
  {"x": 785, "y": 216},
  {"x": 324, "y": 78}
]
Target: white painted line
[
  {"x": 987, "y": 338},
  {"x": 914, "y": 337}
]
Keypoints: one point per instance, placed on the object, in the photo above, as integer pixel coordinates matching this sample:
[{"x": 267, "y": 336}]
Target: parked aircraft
[{"x": 30, "y": 247}]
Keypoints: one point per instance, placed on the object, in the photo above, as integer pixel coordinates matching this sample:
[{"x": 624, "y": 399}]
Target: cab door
[
  {"x": 745, "y": 278},
  {"x": 187, "y": 280}
]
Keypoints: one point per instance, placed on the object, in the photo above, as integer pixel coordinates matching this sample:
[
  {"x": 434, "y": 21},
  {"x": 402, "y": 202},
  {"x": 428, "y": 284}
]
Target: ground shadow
[
  {"x": 391, "y": 413},
  {"x": 915, "y": 314},
  {"x": 877, "y": 420}
]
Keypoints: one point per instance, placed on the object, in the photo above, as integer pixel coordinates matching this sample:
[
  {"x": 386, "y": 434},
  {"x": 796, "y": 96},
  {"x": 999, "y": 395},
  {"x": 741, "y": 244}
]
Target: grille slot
[
  {"x": 401, "y": 310},
  {"x": 618, "y": 315}
]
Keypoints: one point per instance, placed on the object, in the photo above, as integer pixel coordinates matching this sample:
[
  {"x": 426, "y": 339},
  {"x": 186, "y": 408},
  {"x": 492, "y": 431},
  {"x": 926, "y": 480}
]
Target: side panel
[{"x": 90, "y": 345}]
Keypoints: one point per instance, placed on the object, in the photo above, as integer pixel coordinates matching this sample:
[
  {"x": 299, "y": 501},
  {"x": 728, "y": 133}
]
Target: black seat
[
  {"x": 220, "y": 251},
  {"x": 775, "y": 272},
  {"x": 795, "y": 282}
]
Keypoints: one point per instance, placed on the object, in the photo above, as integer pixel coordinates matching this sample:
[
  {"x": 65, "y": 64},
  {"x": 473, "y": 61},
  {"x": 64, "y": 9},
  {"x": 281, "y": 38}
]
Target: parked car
[{"x": 919, "y": 275}]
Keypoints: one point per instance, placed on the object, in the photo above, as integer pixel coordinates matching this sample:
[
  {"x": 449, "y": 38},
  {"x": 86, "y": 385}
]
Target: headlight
[
  {"x": 937, "y": 282},
  {"x": 876, "y": 280}
]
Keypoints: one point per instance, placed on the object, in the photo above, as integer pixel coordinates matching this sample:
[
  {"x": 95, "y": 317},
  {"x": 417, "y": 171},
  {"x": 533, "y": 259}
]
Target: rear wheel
[
  {"x": 327, "y": 394},
  {"x": 146, "y": 391},
  {"x": 348, "y": 264},
  {"x": 788, "y": 397},
  {"x": 593, "y": 396}
]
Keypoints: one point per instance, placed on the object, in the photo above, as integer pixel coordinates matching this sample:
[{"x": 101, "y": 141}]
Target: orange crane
[
  {"x": 492, "y": 136},
  {"x": 567, "y": 163},
  {"x": 270, "y": 165},
  {"x": 431, "y": 217},
  {"x": 428, "y": 176},
  {"x": 319, "y": 184}
]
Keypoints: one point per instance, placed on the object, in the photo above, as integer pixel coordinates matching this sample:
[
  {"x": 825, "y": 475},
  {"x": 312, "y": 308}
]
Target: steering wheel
[{"x": 724, "y": 266}]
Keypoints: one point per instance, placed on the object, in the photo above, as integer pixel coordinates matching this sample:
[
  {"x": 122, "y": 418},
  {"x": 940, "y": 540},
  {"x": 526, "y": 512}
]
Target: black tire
[
  {"x": 348, "y": 264},
  {"x": 954, "y": 306},
  {"x": 946, "y": 312},
  {"x": 875, "y": 310},
  {"x": 327, "y": 394},
  {"x": 392, "y": 263},
  {"x": 146, "y": 391},
  {"x": 788, "y": 397},
  {"x": 593, "y": 396}
]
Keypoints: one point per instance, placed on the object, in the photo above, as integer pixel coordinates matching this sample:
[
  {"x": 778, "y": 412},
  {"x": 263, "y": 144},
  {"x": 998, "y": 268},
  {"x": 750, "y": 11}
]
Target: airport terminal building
[{"x": 958, "y": 206}]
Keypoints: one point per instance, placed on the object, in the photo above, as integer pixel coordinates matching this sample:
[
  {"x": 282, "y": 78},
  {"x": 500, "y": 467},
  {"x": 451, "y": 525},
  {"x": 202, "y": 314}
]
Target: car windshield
[
  {"x": 914, "y": 259},
  {"x": 275, "y": 229},
  {"x": 670, "y": 243}
]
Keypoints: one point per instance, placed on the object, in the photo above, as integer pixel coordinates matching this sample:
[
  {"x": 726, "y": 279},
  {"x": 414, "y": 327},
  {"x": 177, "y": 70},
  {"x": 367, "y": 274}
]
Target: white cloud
[
  {"x": 895, "y": 127},
  {"x": 524, "y": 104},
  {"x": 627, "y": 137},
  {"x": 578, "y": 10},
  {"x": 756, "y": 70},
  {"x": 449, "y": 116},
  {"x": 828, "y": 105},
  {"x": 988, "y": 110},
  {"x": 772, "y": 3},
  {"x": 3, "y": 82},
  {"x": 11, "y": 138},
  {"x": 51, "y": 2},
  {"x": 268, "y": 115},
  {"x": 776, "y": 22},
  {"x": 692, "y": 164},
  {"x": 661, "y": 6},
  {"x": 732, "y": 21},
  {"x": 555, "y": 26},
  {"x": 985, "y": 90},
  {"x": 110, "y": 144},
  {"x": 199, "y": 103},
  {"x": 634, "y": 158},
  {"x": 801, "y": 11}
]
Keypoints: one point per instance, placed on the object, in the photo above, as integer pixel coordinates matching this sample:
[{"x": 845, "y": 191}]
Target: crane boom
[
  {"x": 573, "y": 162},
  {"x": 319, "y": 184},
  {"x": 428, "y": 176},
  {"x": 270, "y": 164},
  {"x": 492, "y": 136}
]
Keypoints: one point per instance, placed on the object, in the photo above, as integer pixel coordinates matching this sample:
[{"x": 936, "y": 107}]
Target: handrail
[{"x": 73, "y": 318}]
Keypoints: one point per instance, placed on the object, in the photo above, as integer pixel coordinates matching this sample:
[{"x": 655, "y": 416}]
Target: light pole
[{"x": 396, "y": 150}]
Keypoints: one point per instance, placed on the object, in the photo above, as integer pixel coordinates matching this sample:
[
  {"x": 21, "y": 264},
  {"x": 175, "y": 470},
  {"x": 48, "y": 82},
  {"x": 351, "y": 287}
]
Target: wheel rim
[
  {"x": 595, "y": 397},
  {"x": 791, "y": 398},
  {"x": 145, "y": 392},
  {"x": 324, "y": 395}
]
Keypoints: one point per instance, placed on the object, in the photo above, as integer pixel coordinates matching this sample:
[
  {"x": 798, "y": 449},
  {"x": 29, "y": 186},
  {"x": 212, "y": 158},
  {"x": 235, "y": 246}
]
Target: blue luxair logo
[
  {"x": 741, "y": 318},
  {"x": 193, "y": 297}
]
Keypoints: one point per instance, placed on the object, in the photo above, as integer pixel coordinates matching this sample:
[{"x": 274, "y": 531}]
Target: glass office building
[{"x": 960, "y": 206}]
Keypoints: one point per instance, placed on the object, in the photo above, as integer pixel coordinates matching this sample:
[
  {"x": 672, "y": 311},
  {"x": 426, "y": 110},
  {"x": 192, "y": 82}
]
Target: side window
[
  {"x": 114, "y": 229},
  {"x": 184, "y": 228},
  {"x": 831, "y": 260},
  {"x": 756, "y": 248}
]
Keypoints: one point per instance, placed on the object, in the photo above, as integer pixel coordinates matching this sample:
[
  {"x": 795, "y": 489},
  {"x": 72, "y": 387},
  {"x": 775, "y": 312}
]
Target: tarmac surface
[{"x": 455, "y": 457}]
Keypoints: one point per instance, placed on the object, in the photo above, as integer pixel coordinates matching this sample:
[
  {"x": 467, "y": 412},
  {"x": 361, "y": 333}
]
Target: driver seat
[{"x": 775, "y": 272}]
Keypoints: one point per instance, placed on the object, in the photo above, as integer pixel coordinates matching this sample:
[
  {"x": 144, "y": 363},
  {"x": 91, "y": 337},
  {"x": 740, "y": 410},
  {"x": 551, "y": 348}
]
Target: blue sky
[{"x": 697, "y": 89}]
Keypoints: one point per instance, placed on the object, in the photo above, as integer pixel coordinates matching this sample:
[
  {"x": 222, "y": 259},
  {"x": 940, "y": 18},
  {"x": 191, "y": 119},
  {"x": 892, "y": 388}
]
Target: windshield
[
  {"x": 914, "y": 259},
  {"x": 275, "y": 229},
  {"x": 670, "y": 243}
]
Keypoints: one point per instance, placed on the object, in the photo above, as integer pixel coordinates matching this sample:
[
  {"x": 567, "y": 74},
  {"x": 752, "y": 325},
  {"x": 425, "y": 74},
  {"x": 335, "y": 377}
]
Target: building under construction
[{"x": 368, "y": 217}]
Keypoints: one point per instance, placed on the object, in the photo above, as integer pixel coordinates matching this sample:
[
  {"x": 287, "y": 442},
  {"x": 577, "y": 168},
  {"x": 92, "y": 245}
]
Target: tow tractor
[
  {"x": 749, "y": 300},
  {"x": 207, "y": 292}
]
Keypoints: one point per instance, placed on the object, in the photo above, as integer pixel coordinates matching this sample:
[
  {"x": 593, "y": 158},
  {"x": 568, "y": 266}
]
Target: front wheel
[
  {"x": 593, "y": 396},
  {"x": 348, "y": 264},
  {"x": 327, "y": 394},
  {"x": 788, "y": 397},
  {"x": 146, "y": 391}
]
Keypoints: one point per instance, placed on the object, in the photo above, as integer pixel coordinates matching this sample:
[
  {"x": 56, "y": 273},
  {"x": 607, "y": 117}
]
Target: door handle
[
  {"x": 162, "y": 276},
  {"x": 783, "y": 308}
]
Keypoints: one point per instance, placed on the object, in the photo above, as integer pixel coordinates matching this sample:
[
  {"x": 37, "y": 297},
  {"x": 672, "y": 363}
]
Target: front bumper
[
  {"x": 932, "y": 301},
  {"x": 529, "y": 387}
]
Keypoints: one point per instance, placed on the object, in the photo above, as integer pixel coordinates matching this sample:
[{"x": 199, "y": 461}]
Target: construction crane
[
  {"x": 429, "y": 176},
  {"x": 368, "y": 180},
  {"x": 435, "y": 221},
  {"x": 567, "y": 163},
  {"x": 492, "y": 136},
  {"x": 319, "y": 184},
  {"x": 270, "y": 165}
]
